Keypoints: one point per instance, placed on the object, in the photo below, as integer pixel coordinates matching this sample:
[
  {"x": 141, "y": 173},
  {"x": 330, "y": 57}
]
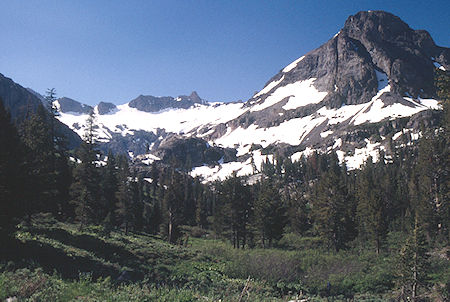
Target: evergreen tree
[
  {"x": 109, "y": 187},
  {"x": 39, "y": 158},
  {"x": 172, "y": 206},
  {"x": 61, "y": 173},
  {"x": 443, "y": 207},
  {"x": 233, "y": 210},
  {"x": 371, "y": 208},
  {"x": 413, "y": 264},
  {"x": 330, "y": 207},
  {"x": 270, "y": 214},
  {"x": 11, "y": 182},
  {"x": 85, "y": 191},
  {"x": 124, "y": 195},
  {"x": 137, "y": 190},
  {"x": 200, "y": 203}
]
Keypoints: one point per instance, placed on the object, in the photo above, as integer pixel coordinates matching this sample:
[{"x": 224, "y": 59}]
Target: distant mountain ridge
[
  {"x": 365, "y": 90},
  {"x": 150, "y": 103}
]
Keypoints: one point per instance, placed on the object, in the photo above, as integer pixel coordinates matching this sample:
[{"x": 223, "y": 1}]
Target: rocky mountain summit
[
  {"x": 68, "y": 105},
  {"x": 150, "y": 103},
  {"x": 373, "y": 50}
]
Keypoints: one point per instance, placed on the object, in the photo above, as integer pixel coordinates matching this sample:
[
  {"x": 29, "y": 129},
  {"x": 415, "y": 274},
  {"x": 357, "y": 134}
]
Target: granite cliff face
[{"x": 350, "y": 68}]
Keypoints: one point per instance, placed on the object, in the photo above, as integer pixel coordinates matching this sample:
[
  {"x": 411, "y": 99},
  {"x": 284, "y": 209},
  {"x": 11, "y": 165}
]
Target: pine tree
[
  {"x": 124, "y": 210},
  {"x": 200, "y": 203},
  {"x": 330, "y": 208},
  {"x": 85, "y": 191},
  {"x": 443, "y": 207},
  {"x": 39, "y": 158},
  {"x": 137, "y": 190},
  {"x": 61, "y": 173},
  {"x": 233, "y": 210},
  {"x": 298, "y": 211},
  {"x": 47, "y": 161},
  {"x": 11, "y": 182},
  {"x": 413, "y": 264},
  {"x": 109, "y": 186},
  {"x": 172, "y": 206},
  {"x": 270, "y": 214},
  {"x": 371, "y": 208}
]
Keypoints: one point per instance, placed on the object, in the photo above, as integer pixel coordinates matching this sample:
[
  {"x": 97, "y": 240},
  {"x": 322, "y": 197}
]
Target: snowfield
[
  {"x": 127, "y": 119},
  {"x": 299, "y": 94},
  {"x": 200, "y": 121}
]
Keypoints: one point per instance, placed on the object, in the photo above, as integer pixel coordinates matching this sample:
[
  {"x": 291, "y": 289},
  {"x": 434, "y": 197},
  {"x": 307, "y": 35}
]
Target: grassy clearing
[{"x": 53, "y": 261}]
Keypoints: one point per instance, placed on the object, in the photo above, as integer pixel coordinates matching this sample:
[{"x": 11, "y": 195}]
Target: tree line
[{"x": 406, "y": 192}]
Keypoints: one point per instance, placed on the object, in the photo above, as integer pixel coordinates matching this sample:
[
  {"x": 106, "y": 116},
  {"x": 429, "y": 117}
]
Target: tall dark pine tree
[
  {"x": 232, "y": 211},
  {"x": 61, "y": 170},
  {"x": 39, "y": 157},
  {"x": 109, "y": 186},
  {"x": 443, "y": 206},
  {"x": 270, "y": 214},
  {"x": 200, "y": 203},
  {"x": 11, "y": 168},
  {"x": 172, "y": 206},
  {"x": 46, "y": 158},
  {"x": 138, "y": 199},
  {"x": 124, "y": 195},
  {"x": 372, "y": 207},
  {"x": 425, "y": 183},
  {"x": 298, "y": 211},
  {"x": 330, "y": 207},
  {"x": 85, "y": 188},
  {"x": 413, "y": 264}
]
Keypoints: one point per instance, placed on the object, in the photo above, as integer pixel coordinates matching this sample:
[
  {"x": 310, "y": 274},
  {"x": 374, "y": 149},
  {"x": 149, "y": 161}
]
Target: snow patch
[
  {"x": 305, "y": 153},
  {"x": 292, "y": 65},
  {"x": 337, "y": 143},
  {"x": 356, "y": 160},
  {"x": 290, "y": 132},
  {"x": 299, "y": 93},
  {"x": 148, "y": 159},
  {"x": 269, "y": 87},
  {"x": 325, "y": 133}
]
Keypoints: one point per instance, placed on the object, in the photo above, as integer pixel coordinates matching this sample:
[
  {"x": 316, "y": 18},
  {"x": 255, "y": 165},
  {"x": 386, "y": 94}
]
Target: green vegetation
[{"x": 54, "y": 261}]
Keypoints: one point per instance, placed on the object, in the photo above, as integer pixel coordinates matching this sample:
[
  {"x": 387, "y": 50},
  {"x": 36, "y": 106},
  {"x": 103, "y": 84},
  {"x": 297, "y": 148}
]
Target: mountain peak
[
  {"x": 69, "y": 105},
  {"x": 149, "y": 103},
  {"x": 195, "y": 97},
  {"x": 366, "y": 19}
]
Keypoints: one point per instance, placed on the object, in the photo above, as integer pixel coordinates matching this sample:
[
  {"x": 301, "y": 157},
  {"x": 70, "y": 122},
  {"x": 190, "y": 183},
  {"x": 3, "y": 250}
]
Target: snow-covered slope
[
  {"x": 354, "y": 95},
  {"x": 125, "y": 120}
]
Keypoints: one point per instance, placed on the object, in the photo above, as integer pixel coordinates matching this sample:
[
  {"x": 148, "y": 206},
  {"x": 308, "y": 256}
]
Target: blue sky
[{"x": 114, "y": 50}]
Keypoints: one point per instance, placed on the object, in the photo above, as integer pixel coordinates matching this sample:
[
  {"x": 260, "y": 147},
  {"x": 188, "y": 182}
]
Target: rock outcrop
[{"x": 150, "y": 103}]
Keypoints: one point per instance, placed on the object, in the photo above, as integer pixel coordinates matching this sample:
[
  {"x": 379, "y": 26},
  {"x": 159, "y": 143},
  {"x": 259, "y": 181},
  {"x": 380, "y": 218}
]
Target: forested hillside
[{"x": 308, "y": 227}]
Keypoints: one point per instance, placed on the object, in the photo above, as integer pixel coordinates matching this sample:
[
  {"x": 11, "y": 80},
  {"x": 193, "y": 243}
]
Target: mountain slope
[
  {"x": 20, "y": 102},
  {"x": 370, "y": 85}
]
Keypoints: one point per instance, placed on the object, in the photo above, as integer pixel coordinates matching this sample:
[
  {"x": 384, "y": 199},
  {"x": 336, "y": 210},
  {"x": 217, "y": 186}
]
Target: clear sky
[{"x": 110, "y": 50}]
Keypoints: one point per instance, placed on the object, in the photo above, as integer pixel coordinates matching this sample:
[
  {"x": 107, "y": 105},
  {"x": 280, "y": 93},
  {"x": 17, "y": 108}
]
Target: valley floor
[{"x": 53, "y": 261}]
